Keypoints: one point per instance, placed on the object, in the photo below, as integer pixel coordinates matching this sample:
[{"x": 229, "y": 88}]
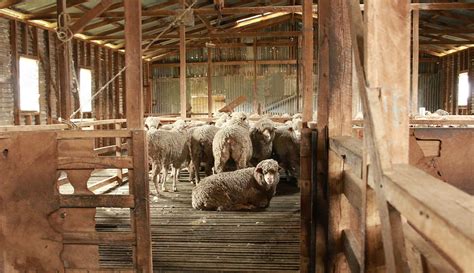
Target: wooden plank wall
[
  {"x": 41, "y": 44},
  {"x": 451, "y": 65}
]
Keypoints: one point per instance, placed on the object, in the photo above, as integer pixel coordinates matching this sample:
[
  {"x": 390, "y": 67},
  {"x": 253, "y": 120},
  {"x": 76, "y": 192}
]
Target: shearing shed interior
[{"x": 236, "y": 136}]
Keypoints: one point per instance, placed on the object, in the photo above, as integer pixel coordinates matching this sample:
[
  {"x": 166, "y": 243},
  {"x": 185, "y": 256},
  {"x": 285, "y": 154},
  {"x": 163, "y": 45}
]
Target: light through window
[
  {"x": 29, "y": 85},
  {"x": 463, "y": 89},
  {"x": 85, "y": 89}
]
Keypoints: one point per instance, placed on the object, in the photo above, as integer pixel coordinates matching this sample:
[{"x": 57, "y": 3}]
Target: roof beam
[
  {"x": 212, "y": 35},
  {"x": 90, "y": 15},
  {"x": 8, "y": 3}
]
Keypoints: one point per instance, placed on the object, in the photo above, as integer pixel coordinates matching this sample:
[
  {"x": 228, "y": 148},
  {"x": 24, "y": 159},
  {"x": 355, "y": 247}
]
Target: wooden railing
[{"x": 439, "y": 217}]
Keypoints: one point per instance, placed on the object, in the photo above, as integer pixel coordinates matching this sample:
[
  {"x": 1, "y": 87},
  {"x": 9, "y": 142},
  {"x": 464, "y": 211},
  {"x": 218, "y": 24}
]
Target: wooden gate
[{"x": 43, "y": 230}]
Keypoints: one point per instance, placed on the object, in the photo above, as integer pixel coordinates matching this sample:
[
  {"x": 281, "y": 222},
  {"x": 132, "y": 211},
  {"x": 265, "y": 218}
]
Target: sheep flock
[{"x": 241, "y": 158}]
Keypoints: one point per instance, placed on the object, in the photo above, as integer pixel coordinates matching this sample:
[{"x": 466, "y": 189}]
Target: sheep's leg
[
  {"x": 197, "y": 166},
  {"x": 175, "y": 178},
  {"x": 165, "y": 176},
  {"x": 241, "y": 162},
  {"x": 154, "y": 173}
]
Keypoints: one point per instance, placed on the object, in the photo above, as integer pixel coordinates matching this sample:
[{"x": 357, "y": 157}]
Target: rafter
[
  {"x": 90, "y": 15},
  {"x": 7, "y": 3}
]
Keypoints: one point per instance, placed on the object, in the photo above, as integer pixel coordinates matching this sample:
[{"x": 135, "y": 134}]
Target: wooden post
[
  {"x": 15, "y": 72},
  {"x": 138, "y": 146},
  {"x": 133, "y": 60},
  {"x": 298, "y": 75},
  {"x": 254, "y": 94},
  {"x": 322, "y": 125},
  {"x": 339, "y": 120},
  {"x": 148, "y": 90},
  {"x": 387, "y": 30},
  {"x": 64, "y": 66},
  {"x": 182, "y": 66},
  {"x": 209, "y": 82},
  {"x": 117, "y": 85},
  {"x": 415, "y": 61},
  {"x": 305, "y": 147}
]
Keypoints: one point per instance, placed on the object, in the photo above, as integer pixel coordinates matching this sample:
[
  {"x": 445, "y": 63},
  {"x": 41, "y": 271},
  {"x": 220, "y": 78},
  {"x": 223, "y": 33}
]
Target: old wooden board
[
  {"x": 188, "y": 240},
  {"x": 29, "y": 237}
]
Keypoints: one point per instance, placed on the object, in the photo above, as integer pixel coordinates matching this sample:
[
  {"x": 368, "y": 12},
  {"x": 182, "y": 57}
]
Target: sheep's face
[
  {"x": 268, "y": 134},
  {"x": 267, "y": 172}
]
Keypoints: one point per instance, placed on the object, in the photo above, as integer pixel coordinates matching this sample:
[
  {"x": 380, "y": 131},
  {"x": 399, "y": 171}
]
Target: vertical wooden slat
[
  {"x": 209, "y": 82},
  {"x": 117, "y": 85},
  {"x": 182, "y": 66},
  {"x": 415, "y": 60},
  {"x": 339, "y": 119},
  {"x": 15, "y": 72},
  {"x": 254, "y": 93},
  {"x": 141, "y": 213},
  {"x": 47, "y": 72},
  {"x": 305, "y": 148},
  {"x": 34, "y": 41},
  {"x": 64, "y": 67},
  {"x": 322, "y": 125}
]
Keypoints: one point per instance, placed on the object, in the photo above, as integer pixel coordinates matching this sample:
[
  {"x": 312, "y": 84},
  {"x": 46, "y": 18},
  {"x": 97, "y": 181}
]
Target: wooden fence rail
[{"x": 439, "y": 216}]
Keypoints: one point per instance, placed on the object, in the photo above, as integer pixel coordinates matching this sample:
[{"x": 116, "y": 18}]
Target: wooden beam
[
  {"x": 441, "y": 6},
  {"x": 305, "y": 147},
  {"x": 90, "y": 15},
  {"x": 182, "y": 66},
  {"x": 211, "y": 35},
  {"x": 383, "y": 20},
  {"x": 15, "y": 71},
  {"x": 223, "y": 63},
  {"x": 133, "y": 61},
  {"x": 209, "y": 82},
  {"x": 415, "y": 60},
  {"x": 8, "y": 3},
  {"x": 254, "y": 93},
  {"x": 322, "y": 126},
  {"x": 231, "y": 105},
  {"x": 64, "y": 67}
]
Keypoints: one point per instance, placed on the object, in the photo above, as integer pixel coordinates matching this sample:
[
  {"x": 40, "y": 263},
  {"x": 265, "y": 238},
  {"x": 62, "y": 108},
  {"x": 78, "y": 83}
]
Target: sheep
[
  {"x": 201, "y": 149},
  {"x": 262, "y": 135},
  {"x": 152, "y": 122},
  {"x": 167, "y": 148},
  {"x": 244, "y": 189},
  {"x": 232, "y": 142},
  {"x": 286, "y": 150},
  {"x": 221, "y": 118}
]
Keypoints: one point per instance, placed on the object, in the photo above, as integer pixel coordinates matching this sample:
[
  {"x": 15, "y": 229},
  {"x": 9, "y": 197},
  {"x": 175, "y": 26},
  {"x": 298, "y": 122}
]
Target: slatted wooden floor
[{"x": 186, "y": 240}]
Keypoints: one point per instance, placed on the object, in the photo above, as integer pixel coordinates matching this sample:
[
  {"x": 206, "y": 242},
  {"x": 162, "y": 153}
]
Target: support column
[
  {"x": 254, "y": 94},
  {"x": 182, "y": 66},
  {"x": 305, "y": 147},
  {"x": 322, "y": 125},
  {"x": 339, "y": 100},
  {"x": 387, "y": 59},
  {"x": 64, "y": 66},
  {"x": 133, "y": 61},
  {"x": 415, "y": 60},
  {"x": 209, "y": 82}
]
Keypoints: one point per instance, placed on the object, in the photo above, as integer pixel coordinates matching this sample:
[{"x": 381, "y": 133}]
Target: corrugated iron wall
[
  {"x": 276, "y": 83},
  {"x": 429, "y": 86}
]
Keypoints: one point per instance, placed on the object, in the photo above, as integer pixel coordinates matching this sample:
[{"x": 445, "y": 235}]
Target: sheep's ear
[
  {"x": 279, "y": 168},
  {"x": 259, "y": 170}
]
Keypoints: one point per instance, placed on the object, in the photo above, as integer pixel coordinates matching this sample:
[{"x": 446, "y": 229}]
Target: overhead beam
[
  {"x": 8, "y": 3},
  {"x": 182, "y": 66},
  {"x": 79, "y": 25},
  {"x": 211, "y": 35}
]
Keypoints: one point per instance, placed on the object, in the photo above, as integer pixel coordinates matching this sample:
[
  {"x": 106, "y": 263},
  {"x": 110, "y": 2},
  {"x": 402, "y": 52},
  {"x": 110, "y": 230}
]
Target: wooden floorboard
[{"x": 186, "y": 240}]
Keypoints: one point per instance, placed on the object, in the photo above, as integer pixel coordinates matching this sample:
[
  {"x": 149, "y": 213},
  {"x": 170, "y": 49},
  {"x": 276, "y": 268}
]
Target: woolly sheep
[
  {"x": 286, "y": 150},
  {"x": 262, "y": 135},
  {"x": 201, "y": 149},
  {"x": 167, "y": 148},
  {"x": 244, "y": 189},
  {"x": 232, "y": 142},
  {"x": 152, "y": 122}
]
